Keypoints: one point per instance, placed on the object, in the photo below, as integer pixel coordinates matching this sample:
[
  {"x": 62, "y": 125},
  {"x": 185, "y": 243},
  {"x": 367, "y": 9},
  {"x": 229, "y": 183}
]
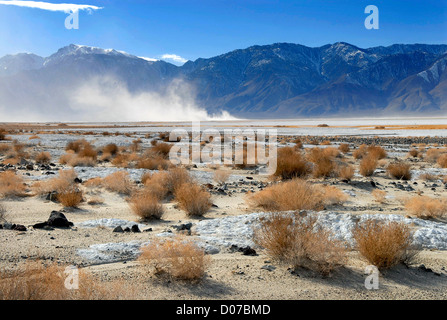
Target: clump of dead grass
[
  {"x": 193, "y": 198},
  {"x": 37, "y": 281},
  {"x": 297, "y": 194},
  {"x": 12, "y": 185},
  {"x": 175, "y": 258},
  {"x": 425, "y": 207},
  {"x": 297, "y": 240},
  {"x": 384, "y": 245},
  {"x": 119, "y": 182},
  {"x": 291, "y": 164},
  {"x": 146, "y": 205},
  {"x": 399, "y": 170}
]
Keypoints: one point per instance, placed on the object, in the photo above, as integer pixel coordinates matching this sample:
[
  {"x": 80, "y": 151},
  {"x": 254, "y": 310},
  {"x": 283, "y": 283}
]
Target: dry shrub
[
  {"x": 221, "y": 176},
  {"x": 384, "y": 245},
  {"x": 379, "y": 195},
  {"x": 296, "y": 194},
  {"x": 377, "y": 152},
  {"x": 76, "y": 146},
  {"x": 94, "y": 183},
  {"x": 162, "y": 149},
  {"x": 158, "y": 185},
  {"x": 176, "y": 258},
  {"x": 291, "y": 164},
  {"x": 192, "y": 198},
  {"x": 111, "y": 149},
  {"x": 70, "y": 198},
  {"x": 298, "y": 241},
  {"x": 368, "y": 165},
  {"x": 399, "y": 170},
  {"x": 432, "y": 155},
  {"x": 325, "y": 143},
  {"x": 323, "y": 160},
  {"x": 442, "y": 161},
  {"x": 360, "y": 152},
  {"x": 5, "y": 148},
  {"x": 43, "y": 157},
  {"x": 413, "y": 153},
  {"x": 346, "y": 172},
  {"x": 332, "y": 195},
  {"x": 47, "y": 282},
  {"x": 344, "y": 147},
  {"x": 11, "y": 185},
  {"x": 119, "y": 182},
  {"x": 153, "y": 162},
  {"x": 425, "y": 207},
  {"x": 298, "y": 143},
  {"x": 146, "y": 206},
  {"x": 373, "y": 151},
  {"x": 60, "y": 184},
  {"x": 146, "y": 177}
]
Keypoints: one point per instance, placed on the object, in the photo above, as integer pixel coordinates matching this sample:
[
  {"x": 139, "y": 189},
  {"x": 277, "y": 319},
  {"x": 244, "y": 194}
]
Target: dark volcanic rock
[{"x": 58, "y": 219}]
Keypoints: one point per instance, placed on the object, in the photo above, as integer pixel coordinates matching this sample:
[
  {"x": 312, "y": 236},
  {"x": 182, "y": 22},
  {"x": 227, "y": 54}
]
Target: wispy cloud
[
  {"x": 62, "y": 7},
  {"x": 174, "y": 58}
]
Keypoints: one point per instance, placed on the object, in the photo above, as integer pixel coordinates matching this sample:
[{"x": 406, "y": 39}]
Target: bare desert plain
[{"x": 349, "y": 200}]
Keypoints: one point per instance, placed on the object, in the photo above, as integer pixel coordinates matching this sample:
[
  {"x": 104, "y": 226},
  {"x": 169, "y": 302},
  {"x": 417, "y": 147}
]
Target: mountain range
[{"x": 280, "y": 80}]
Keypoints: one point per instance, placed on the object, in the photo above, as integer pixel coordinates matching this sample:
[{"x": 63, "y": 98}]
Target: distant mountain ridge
[{"x": 277, "y": 80}]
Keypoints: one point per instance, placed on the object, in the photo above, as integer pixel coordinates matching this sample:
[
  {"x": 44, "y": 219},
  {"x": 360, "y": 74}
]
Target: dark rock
[
  {"x": 52, "y": 196},
  {"x": 8, "y": 226},
  {"x": 183, "y": 226},
  {"x": 127, "y": 229},
  {"x": 19, "y": 227},
  {"x": 58, "y": 219},
  {"x": 77, "y": 180},
  {"x": 118, "y": 229},
  {"x": 147, "y": 230},
  {"x": 40, "y": 225},
  {"x": 135, "y": 228}
]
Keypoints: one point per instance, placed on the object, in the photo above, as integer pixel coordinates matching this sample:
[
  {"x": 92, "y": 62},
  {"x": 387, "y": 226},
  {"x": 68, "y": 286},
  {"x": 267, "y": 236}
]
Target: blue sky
[{"x": 205, "y": 28}]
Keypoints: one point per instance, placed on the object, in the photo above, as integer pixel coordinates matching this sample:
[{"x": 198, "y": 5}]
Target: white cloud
[
  {"x": 62, "y": 7},
  {"x": 174, "y": 58}
]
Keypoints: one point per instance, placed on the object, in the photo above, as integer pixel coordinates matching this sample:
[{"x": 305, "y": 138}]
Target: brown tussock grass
[
  {"x": 43, "y": 157},
  {"x": 379, "y": 195},
  {"x": 297, "y": 241},
  {"x": 425, "y": 207},
  {"x": 344, "y": 147},
  {"x": 296, "y": 194},
  {"x": 346, "y": 172},
  {"x": 70, "y": 198},
  {"x": 291, "y": 164},
  {"x": 193, "y": 199},
  {"x": 60, "y": 184},
  {"x": 384, "y": 245},
  {"x": 175, "y": 258},
  {"x": 442, "y": 161},
  {"x": 12, "y": 185},
  {"x": 399, "y": 170},
  {"x": 119, "y": 182},
  {"x": 47, "y": 282},
  {"x": 368, "y": 165},
  {"x": 146, "y": 205}
]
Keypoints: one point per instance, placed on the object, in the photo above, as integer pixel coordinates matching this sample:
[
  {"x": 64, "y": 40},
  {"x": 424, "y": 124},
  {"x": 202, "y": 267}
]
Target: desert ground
[{"x": 125, "y": 200}]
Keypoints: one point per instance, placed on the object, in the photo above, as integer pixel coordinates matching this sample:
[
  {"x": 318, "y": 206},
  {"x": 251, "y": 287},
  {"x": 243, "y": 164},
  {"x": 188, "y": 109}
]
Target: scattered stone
[
  {"x": 19, "y": 227},
  {"x": 118, "y": 229},
  {"x": 268, "y": 267},
  {"x": 57, "y": 219},
  {"x": 135, "y": 229}
]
